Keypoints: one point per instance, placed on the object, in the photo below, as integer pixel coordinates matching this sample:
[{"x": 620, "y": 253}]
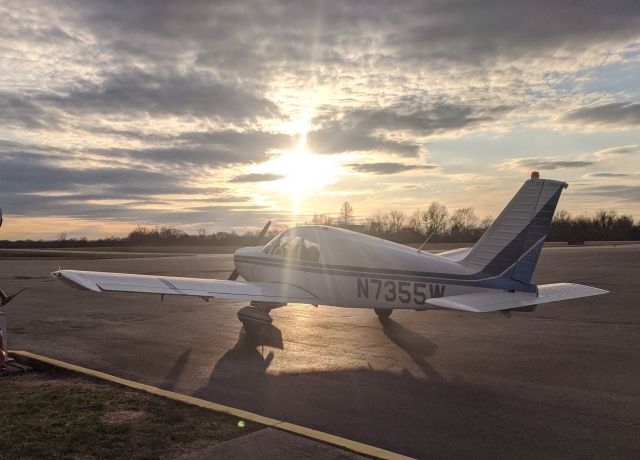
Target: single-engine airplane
[{"x": 332, "y": 266}]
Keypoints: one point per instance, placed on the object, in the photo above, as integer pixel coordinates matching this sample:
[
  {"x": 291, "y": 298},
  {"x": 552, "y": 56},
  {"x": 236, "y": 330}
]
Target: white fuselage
[{"x": 365, "y": 272}]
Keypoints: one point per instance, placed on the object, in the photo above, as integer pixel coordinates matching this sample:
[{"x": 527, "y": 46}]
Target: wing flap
[
  {"x": 170, "y": 285},
  {"x": 502, "y": 300}
]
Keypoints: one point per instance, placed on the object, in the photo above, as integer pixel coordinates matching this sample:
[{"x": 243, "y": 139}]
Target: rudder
[{"x": 511, "y": 246}]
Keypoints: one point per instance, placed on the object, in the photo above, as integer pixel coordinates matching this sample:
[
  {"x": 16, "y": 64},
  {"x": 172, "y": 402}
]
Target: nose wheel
[{"x": 383, "y": 313}]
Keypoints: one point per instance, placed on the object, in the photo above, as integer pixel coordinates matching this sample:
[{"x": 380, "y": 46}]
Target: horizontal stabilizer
[
  {"x": 502, "y": 300},
  {"x": 170, "y": 285},
  {"x": 456, "y": 254}
]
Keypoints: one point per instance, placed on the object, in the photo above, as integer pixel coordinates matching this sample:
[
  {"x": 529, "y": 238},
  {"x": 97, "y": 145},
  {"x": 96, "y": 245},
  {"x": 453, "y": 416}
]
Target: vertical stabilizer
[{"x": 512, "y": 245}]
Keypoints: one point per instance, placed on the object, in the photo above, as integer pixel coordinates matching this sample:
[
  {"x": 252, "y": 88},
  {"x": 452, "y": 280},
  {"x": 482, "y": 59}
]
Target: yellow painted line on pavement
[{"x": 327, "y": 438}]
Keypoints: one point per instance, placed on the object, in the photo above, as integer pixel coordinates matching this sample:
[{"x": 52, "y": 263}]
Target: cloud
[
  {"x": 199, "y": 149},
  {"x": 545, "y": 163},
  {"x": 195, "y": 93},
  {"x": 275, "y": 35},
  {"x": 337, "y": 139},
  {"x": 132, "y": 101},
  {"x": 387, "y": 167},
  {"x": 411, "y": 114},
  {"x": 256, "y": 177},
  {"x": 16, "y": 110},
  {"x": 394, "y": 128},
  {"x": 606, "y": 174},
  {"x": 629, "y": 193},
  {"x": 615, "y": 114},
  {"x": 614, "y": 151},
  {"x": 31, "y": 173},
  {"x": 470, "y": 32},
  {"x": 38, "y": 181}
]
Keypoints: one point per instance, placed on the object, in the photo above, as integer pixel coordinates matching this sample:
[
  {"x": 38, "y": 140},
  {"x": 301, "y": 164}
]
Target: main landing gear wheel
[
  {"x": 383, "y": 313},
  {"x": 253, "y": 319}
]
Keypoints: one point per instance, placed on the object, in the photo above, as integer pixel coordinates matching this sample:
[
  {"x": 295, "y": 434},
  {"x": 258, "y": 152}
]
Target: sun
[{"x": 303, "y": 172}]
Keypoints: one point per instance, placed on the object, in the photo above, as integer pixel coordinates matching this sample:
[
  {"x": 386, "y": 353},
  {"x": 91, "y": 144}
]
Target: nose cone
[
  {"x": 246, "y": 252},
  {"x": 242, "y": 259}
]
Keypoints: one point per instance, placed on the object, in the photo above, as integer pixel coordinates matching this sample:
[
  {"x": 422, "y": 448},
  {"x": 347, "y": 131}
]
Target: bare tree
[
  {"x": 605, "y": 219},
  {"x": 202, "y": 233},
  {"x": 463, "y": 219},
  {"x": 346, "y": 214},
  {"x": 276, "y": 229},
  {"x": 562, "y": 216},
  {"x": 485, "y": 223},
  {"x": 435, "y": 218},
  {"x": 375, "y": 224},
  {"x": 322, "y": 219},
  {"x": 395, "y": 220},
  {"x": 414, "y": 223}
]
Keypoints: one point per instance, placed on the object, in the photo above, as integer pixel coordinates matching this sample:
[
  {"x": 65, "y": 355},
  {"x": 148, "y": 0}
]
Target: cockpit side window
[
  {"x": 310, "y": 251},
  {"x": 291, "y": 247}
]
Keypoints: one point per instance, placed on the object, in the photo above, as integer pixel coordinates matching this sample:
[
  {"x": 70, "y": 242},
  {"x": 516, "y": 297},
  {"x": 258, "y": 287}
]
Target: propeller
[
  {"x": 235, "y": 273},
  {"x": 5, "y": 299}
]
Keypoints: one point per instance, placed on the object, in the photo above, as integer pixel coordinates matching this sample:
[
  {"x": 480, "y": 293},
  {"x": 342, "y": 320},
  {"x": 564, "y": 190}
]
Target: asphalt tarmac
[{"x": 561, "y": 382}]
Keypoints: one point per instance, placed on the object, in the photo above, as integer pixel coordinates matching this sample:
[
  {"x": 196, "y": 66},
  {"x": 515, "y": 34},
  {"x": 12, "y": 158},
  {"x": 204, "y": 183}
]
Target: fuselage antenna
[{"x": 425, "y": 242}]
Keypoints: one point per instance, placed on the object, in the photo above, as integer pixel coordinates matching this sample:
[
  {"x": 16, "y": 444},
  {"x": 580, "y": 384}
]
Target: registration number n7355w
[{"x": 398, "y": 291}]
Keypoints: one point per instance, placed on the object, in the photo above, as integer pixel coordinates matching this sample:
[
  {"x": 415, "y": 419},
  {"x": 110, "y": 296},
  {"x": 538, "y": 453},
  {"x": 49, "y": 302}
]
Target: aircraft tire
[{"x": 383, "y": 313}]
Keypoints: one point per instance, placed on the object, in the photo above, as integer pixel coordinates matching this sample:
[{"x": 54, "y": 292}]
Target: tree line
[{"x": 461, "y": 225}]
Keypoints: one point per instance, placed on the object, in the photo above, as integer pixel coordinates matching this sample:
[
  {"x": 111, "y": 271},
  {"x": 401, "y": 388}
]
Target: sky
[{"x": 222, "y": 115}]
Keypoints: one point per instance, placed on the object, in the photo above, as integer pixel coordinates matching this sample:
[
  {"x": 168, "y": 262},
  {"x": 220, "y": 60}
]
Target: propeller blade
[
  {"x": 264, "y": 230},
  {"x": 234, "y": 275}
]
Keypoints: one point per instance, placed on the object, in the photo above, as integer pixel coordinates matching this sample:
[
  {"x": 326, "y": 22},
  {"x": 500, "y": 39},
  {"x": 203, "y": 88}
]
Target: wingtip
[{"x": 76, "y": 279}]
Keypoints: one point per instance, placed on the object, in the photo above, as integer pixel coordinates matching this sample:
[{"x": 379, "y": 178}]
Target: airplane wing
[
  {"x": 170, "y": 285},
  {"x": 503, "y": 300}
]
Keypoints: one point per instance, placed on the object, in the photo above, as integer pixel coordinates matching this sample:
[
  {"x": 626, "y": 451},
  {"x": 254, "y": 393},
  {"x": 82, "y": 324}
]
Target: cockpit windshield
[
  {"x": 268, "y": 248},
  {"x": 291, "y": 246}
]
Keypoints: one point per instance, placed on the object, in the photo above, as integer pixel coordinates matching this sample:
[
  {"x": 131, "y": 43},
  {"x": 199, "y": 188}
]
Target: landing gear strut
[
  {"x": 256, "y": 316},
  {"x": 383, "y": 313}
]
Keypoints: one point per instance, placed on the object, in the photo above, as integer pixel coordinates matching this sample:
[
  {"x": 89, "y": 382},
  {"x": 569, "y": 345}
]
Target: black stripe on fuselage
[{"x": 366, "y": 272}]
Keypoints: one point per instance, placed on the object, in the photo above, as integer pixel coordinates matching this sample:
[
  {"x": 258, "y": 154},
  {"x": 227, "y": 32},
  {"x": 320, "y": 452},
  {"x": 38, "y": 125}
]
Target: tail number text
[{"x": 402, "y": 291}]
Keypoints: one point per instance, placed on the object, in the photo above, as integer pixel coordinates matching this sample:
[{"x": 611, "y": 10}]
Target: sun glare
[{"x": 303, "y": 172}]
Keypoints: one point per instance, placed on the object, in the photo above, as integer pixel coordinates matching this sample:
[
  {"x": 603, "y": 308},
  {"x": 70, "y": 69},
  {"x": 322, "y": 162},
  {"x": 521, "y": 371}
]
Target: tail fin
[{"x": 512, "y": 245}]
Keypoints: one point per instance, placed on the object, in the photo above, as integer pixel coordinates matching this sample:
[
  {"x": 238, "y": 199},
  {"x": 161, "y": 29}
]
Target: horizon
[{"x": 222, "y": 116}]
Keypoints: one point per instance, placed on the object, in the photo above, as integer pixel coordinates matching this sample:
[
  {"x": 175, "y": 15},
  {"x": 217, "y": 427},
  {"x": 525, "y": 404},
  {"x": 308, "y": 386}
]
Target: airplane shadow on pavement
[
  {"x": 421, "y": 414},
  {"x": 241, "y": 373},
  {"x": 418, "y": 347},
  {"x": 343, "y": 401}
]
